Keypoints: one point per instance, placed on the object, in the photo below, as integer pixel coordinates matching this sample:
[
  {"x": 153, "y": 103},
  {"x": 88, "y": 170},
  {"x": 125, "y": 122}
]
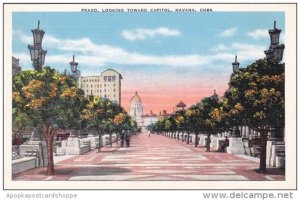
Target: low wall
[{"x": 23, "y": 164}]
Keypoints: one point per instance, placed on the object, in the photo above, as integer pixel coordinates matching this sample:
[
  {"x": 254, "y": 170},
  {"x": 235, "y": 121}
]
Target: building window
[
  {"x": 114, "y": 95},
  {"x": 105, "y": 78},
  {"x": 114, "y": 90},
  {"x": 113, "y": 78},
  {"x": 87, "y": 85},
  {"x": 114, "y": 85},
  {"x": 104, "y": 90},
  {"x": 87, "y": 91},
  {"x": 104, "y": 85},
  {"x": 105, "y": 95},
  {"x": 100, "y": 91}
]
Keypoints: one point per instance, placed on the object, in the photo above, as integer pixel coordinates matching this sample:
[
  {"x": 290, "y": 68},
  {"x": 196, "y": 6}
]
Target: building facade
[
  {"x": 180, "y": 106},
  {"x": 149, "y": 119},
  {"x": 136, "y": 109},
  {"x": 15, "y": 66},
  {"x": 107, "y": 85}
]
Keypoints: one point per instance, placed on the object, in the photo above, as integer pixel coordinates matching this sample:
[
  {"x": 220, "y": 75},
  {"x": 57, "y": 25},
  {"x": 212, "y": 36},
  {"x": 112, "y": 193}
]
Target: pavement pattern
[{"x": 154, "y": 158}]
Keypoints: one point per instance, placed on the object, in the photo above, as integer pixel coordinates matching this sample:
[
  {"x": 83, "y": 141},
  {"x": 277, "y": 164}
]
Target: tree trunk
[
  {"x": 110, "y": 140},
  {"x": 188, "y": 138},
  {"x": 196, "y": 139},
  {"x": 100, "y": 140},
  {"x": 263, "y": 151},
  {"x": 48, "y": 134},
  {"x": 182, "y": 138}
]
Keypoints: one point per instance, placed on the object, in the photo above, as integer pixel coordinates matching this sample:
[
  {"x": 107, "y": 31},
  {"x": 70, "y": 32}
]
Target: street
[{"x": 153, "y": 158}]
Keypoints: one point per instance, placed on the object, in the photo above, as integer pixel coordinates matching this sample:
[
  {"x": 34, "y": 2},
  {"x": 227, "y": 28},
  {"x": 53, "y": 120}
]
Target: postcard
[{"x": 149, "y": 96}]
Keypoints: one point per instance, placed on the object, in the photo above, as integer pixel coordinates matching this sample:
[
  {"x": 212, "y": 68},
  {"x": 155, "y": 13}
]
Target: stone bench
[
  {"x": 216, "y": 143},
  {"x": 24, "y": 164},
  {"x": 202, "y": 141},
  {"x": 280, "y": 162},
  {"x": 78, "y": 151},
  {"x": 31, "y": 153}
]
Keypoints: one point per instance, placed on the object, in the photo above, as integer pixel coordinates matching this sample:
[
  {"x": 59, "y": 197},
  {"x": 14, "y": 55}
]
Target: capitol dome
[
  {"x": 136, "y": 109},
  {"x": 136, "y": 99}
]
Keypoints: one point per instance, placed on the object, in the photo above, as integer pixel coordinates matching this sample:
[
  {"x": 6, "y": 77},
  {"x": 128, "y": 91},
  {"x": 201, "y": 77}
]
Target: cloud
[
  {"x": 89, "y": 54},
  {"x": 244, "y": 51},
  {"x": 23, "y": 37},
  {"x": 229, "y": 32},
  {"x": 141, "y": 34},
  {"x": 259, "y": 33},
  {"x": 219, "y": 47}
]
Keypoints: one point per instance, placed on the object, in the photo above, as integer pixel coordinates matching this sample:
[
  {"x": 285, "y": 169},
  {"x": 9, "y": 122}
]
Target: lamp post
[
  {"x": 74, "y": 69},
  {"x": 37, "y": 54},
  {"x": 275, "y": 50},
  {"x": 235, "y": 65}
]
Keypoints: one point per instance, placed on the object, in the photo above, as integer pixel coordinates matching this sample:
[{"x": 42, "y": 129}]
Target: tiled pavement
[{"x": 153, "y": 158}]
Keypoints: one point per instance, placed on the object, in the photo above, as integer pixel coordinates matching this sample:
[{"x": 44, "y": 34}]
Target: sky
[{"x": 165, "y": 57}]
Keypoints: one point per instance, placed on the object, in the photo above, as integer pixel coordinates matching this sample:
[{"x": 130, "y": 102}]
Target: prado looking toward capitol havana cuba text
[{"x": 146, "y": 10}]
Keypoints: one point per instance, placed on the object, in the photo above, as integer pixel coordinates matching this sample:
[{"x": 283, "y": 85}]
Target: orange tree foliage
[{"x": 46, "y": 100}]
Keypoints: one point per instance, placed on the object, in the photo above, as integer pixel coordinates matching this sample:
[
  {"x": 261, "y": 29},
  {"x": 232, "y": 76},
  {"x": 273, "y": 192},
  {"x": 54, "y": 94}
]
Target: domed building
[{"x": 136, "y": 109}]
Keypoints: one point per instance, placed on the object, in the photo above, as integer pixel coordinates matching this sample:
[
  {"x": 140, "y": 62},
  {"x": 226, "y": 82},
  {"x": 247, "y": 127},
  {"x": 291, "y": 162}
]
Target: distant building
[
  {"x": 136, "y": 109},
  {"x": 164, "y": 114},
  {"x": 180, "y": 106},
  {"x": 107, "y": 85},
  {"x": 15, "y": 66},
  {"x": 149, "y": 119}
]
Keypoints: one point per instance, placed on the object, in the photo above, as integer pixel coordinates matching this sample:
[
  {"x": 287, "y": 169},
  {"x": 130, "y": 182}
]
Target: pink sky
[{"x": 167, "y": 96}]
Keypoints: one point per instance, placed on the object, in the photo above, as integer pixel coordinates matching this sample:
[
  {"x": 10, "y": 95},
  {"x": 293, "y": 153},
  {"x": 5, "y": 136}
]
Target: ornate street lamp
[
  {"x": 236, "y": 65},
  {"x": 274, "y": 35},
  {"x": 275, "y": 50},
  {"x": 278, "y": 52},
  {"x": 269, "y": 53},
  {"x": 37, "y": 54},
  {"x": 74, "y": 69},
  {"x": 73, "y": 65},
  {"x": 38, "y": 35}
]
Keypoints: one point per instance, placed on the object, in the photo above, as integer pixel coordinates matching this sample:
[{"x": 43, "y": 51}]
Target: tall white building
[
  {"x": 136, "y": 109},
  {"x": 107, "y": 85}
]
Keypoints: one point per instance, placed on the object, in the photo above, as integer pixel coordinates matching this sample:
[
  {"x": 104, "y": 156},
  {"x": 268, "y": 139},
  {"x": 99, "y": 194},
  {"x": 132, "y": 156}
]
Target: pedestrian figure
[
  {"x": 127, "y": 139},
  {"x": 149, "y": 133},
  {"x": 225, "y": 144},
  {"x": 122, "y": 138},
  {"x": 208, "y": 141}
]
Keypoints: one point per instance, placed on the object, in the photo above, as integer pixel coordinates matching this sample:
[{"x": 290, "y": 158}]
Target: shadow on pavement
[
  {"x": 87, "y": 171},
  {"x": 272, "y": 171}
]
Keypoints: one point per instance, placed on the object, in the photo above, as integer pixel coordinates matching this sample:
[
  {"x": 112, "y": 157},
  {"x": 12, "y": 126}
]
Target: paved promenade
[{"x": 153, "y": 158}]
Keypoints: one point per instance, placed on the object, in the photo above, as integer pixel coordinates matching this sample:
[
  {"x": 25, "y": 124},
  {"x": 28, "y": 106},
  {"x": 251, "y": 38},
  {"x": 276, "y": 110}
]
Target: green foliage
[
  {"x": 255, "y": 97},
  {"x": 46, "y": 98}
]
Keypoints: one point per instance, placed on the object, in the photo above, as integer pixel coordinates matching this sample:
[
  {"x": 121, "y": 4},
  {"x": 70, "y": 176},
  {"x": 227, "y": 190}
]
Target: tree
[
  {"x": 99, "y": 115},
  {"x": 123, "y": 122},
  {"x": 196, "y": 121},
  {"x": 260, "y": 89},
  {"x": 206, "y": 106},
  {"x": 47, "y": 100}
]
